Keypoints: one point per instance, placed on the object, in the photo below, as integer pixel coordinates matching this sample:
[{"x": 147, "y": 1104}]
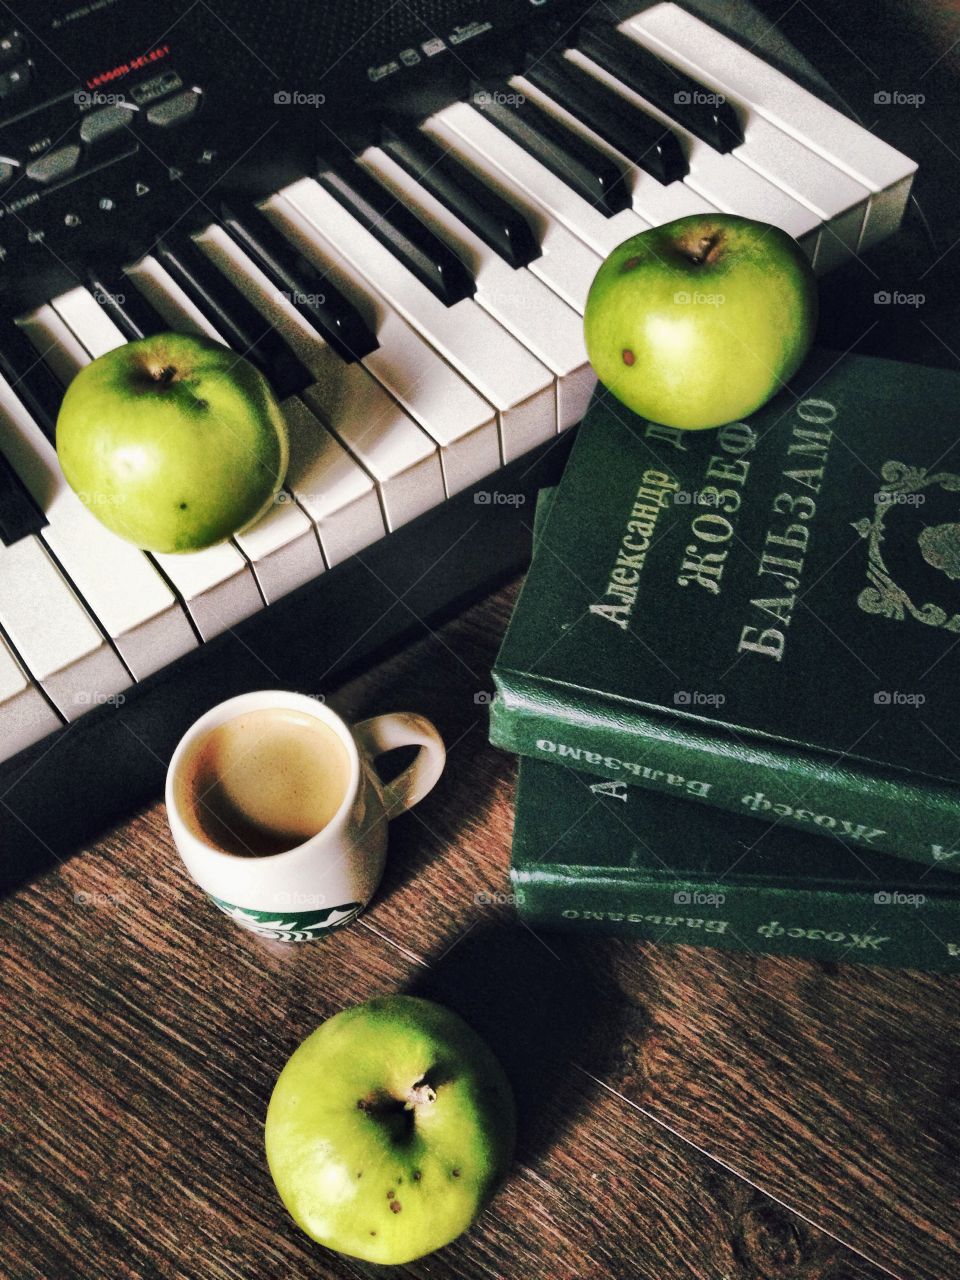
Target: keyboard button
[
  {"x": 494, "y": 220},
  {"x": 859, "y": 153},
  {"x": 19, "y": 514},
  {"x": 336, "y": 320},
  {"x": 98, "y": 126},
  {"x": 15, "y": 81},
  {"x": 53, "y": 633},
  {"x": 118, "y": 583},
  {"x": 30, "y": 378},
  {"x": 401, "y": 458},
  {"x": 637, "y": 136},
  {"x": 446, "y": 406},
  {"x": 524, "y": 305},
  {"x": 601, "y": 233},
  {"x": 240, "y": 325},
  {"x": 679, "y": 95},
  {"x": 25, "y": 714},
  {"x": 13, "y": 45},
  {"x": 838, "y": 200},
  {"x": 176, "y": 110},
  {"x": 125, "y": 305},
  {"x": 334, "y": 490},
  {"x": 8, "y": 171},
  {"x": 398, "y": 230},
  {"x": 726, "y": 182},
  {"x": 565, "y": 263},
  {"x": 500, "y": 368},
  {"x": 55, "y": 165},
  {"x": 585, "y": 170},
  {"x": 655, "y": 202}
]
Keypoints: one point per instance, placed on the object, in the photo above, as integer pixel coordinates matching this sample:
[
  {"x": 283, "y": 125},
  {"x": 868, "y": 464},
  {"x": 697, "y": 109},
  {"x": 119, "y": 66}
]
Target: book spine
[
  {"x": 833, "y": 797},
  {"x": 870, "y": 928}
]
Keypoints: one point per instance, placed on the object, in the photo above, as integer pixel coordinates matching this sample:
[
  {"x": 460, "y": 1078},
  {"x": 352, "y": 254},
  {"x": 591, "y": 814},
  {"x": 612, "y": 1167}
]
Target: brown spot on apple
[
  {"x": 630, "y": 263},
  {"x": 396, "y": 1206},
  {"x": 628, "y": 356}
]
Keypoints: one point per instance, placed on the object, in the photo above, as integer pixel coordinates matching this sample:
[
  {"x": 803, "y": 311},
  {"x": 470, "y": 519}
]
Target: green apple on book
[
  {"x": 700, "y": 321},
  {"x": 173, "y": 442},
  {"x": 389, "y": 1129}
]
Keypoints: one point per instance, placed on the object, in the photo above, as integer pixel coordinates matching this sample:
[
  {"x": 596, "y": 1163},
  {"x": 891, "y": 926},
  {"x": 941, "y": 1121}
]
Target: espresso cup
[{"x": 286, "y": 831}]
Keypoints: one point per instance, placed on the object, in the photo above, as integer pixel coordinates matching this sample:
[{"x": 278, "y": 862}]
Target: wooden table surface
[{"x": 684, "y": 1112}]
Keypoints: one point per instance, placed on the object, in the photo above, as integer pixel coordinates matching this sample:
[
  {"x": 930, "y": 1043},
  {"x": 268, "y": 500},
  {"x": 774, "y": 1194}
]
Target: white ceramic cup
[{"x": 305, "y": 892}]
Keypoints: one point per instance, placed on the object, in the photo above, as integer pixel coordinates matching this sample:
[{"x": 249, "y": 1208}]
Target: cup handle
[{"x": 404, "y": 729}]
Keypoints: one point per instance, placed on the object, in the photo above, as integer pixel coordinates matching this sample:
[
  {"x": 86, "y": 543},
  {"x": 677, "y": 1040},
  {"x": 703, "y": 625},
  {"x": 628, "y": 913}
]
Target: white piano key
[
  {"x": 216, "y": 585},
  {"x": 334, "y": 490},
  {"x": 282, "y": 547},
  {"x": 884, "y": 171},
  {"x": 519, "y": 387},
  {"x": 118, "y": 583},
  {"x": 57, "y": 639},
  {"x": 841, "y": 202},
  {"x": 444, "y": 404},
  {"x": 725, "y": 181},
  {"x": 544, "y": 323},
  {"x": 581, "y": 217},
  {"x": 400, "y": 457},
  {"x": 656, "y": 202},
  {"x": 25, "y": 714},
  {"x": 566, "y": 264}
]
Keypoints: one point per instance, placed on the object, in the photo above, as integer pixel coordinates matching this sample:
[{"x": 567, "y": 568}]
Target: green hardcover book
[
  {"x": 765, "y": 618},
  {"x": 600, "y": 856}
]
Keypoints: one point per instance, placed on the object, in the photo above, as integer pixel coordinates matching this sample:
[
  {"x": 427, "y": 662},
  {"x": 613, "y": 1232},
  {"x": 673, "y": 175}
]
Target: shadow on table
[{"x": 536, "y": 1006}]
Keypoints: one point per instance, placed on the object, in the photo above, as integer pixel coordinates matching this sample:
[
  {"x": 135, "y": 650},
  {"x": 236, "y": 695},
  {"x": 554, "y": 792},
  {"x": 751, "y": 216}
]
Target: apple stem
[
  {"x": 420, "y": 1093},
  {"x": 165, "y": 375},
  {"x": 706, "y": 249}
]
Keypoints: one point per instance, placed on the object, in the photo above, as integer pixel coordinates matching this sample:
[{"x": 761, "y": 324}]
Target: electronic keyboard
[{"x": 396, "y": 214}]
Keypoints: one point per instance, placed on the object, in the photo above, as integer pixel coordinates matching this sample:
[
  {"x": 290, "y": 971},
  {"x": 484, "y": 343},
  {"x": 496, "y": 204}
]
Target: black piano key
[
  {"x": 31, "y": 379},
  {"x": 19, "y": 514},
  {"x": 422, "y": 252},
  {"x": 232, "y": 314},
  {"x": 678, "y": 95},
  {"x": 580, "y": 165},
  {"x": 126, "y": 306},
  {"x": 641, "y": 138},
  {"x": 498, "y": 224},
  {"x": 311, "y": 294}
]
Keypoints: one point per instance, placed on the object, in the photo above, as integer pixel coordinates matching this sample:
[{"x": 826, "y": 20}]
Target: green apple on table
[
  {"x": 700, "y": 321},
  {"x": 389, "y": 1129},
  {"x": 173, "y": 442}
]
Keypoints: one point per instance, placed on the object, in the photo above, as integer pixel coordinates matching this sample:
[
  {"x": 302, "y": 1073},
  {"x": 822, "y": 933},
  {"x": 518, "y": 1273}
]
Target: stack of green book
[{"x": 732, "y": 676}]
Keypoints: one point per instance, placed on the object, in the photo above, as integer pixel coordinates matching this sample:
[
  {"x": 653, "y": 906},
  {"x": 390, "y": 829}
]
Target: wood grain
[{"x": 683, "y": 1114}]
